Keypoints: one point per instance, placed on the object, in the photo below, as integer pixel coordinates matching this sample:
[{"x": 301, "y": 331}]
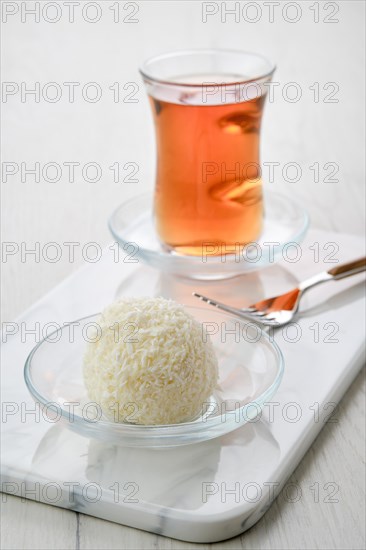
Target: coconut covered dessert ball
[{"x": 151, "y": 363}]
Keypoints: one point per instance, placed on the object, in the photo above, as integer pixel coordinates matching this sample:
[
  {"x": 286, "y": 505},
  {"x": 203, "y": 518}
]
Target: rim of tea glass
[{"x": 143, "y": 69}]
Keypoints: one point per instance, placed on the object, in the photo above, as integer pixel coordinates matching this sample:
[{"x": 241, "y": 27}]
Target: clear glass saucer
[
  {"x": 285, "y": 225},
  {"x": 250, "y": 371}
]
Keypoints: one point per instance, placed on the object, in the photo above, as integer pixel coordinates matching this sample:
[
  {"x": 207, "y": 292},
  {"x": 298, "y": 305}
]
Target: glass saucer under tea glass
[
  {"x": 285, "y": 225},
  {"x": 250, "y": 371}
]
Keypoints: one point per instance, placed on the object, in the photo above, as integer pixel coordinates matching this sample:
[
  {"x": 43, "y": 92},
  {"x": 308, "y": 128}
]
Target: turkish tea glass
[{"x": 207, "y": 107}]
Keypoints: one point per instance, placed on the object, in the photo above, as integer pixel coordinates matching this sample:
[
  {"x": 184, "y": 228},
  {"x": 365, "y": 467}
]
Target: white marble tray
[{"x": 205, "y": 492}]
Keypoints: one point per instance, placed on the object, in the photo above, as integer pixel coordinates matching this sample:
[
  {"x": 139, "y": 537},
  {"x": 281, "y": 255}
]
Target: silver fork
[{"x": 280, "y": 310}]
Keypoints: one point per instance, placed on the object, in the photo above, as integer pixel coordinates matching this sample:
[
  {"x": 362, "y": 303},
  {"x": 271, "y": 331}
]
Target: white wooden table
[{"x": 105, "y": 132}]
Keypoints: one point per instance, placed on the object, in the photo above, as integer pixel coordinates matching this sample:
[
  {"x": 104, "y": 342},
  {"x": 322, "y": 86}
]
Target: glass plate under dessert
[{"x": 250, "y": 371}]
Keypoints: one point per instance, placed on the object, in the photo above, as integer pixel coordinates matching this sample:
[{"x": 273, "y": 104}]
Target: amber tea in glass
[{"x": 207, "y": 107}]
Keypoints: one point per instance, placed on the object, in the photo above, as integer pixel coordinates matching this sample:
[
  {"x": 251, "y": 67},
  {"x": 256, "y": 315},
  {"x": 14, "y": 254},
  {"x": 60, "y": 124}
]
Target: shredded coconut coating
[{"x": 151, "y": 364}]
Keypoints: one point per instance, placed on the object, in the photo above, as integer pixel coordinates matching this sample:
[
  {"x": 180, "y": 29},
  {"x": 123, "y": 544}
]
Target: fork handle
[{"x": 348, "y": 269}]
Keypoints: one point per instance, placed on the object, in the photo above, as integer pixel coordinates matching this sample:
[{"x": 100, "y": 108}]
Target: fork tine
[
  {"x": 257, "y": 313},
  {"x": 246, "y": 314},
  {"x": 268, "y": 320}
]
